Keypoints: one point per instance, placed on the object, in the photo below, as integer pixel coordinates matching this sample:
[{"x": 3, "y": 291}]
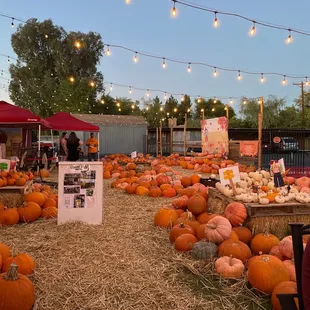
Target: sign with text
[
  {"x": 5, "y": 165},
  {"x": 229, "y": 175},
  {"x": 133, "y": 154},
  {"x": 249, "y": 148},
  {"x": 80, "y": 192}
]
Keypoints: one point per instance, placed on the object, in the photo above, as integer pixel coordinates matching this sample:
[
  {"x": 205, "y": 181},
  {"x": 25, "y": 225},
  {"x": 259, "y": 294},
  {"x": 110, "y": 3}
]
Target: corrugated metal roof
[{"x": 117, "y": 120}]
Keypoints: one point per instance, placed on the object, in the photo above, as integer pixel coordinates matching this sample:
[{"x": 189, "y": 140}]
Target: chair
[{"x": 287, "y": 300}]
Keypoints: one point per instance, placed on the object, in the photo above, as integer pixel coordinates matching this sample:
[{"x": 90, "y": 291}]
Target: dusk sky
[{"x": 146, "y": 25}]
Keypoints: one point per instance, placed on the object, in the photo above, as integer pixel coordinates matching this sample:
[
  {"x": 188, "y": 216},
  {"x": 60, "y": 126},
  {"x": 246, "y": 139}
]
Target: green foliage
[{"x": 46, "y": 59}]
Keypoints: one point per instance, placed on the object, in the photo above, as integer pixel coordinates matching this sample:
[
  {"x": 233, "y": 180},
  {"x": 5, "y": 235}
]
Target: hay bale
[
  {"x": 216, "y": 205},
  {"x": 277, "y": 225},
  {"x": 11, "y": 199}
]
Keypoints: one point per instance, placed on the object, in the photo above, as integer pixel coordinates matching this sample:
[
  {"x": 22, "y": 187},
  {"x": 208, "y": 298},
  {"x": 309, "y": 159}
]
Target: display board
[
  {"x": 214, "y": 135},
  {"x": 80, "y": 192},
  {"x": 249, "y": 148}
]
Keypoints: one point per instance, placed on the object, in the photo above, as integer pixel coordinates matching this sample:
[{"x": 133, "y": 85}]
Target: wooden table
[{"x": 20, "y": 189}]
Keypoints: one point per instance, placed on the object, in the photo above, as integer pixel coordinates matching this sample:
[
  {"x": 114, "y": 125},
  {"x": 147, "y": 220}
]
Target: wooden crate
[{"x": 17, "y": 189}]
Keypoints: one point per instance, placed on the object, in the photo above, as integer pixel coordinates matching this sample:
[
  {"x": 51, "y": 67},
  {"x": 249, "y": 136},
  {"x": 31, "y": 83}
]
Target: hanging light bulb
[
  {"x": 215, "y": 73},
  {"x": 213, "y": 109},
  {"x": 262, "y": 79},
  {"x": 165, "y": 96},
  {"x": 289, "y": 38},
  {"x": 111, "y": 87},
  {"x": 118, "y": 104},
  {"x": 231, "y": 101},
  {"x": 127, "y": 1},
  {"x": 216, "y": 22},
  {"x": 135, "y": 58},
  {"x": 12, "y": 24},
  {"x": 130, "y": 90},
  {"x": 199, "y": 99},
  {"x": 147, "y": 93},
  {"x": 307, "y": 82},
  {"x": 132, "y": 106},
  {"x": 189, "y": 68},
  {"x": 46, "y": 36},
  {"x": 108, "y": 52},
  {"x": 182, "y": 98},
  {"x": 102, "y": 101},
  {"x": 77, "y": 44},
  {"x": 174, "y": 10},
  {"x": 239, "y": 76},
  {"x": 161, "y": 109},
  {"x": 253, "y": 30},
  {"x": 164, "y": 63},
  {"x": 71, "y": 79},
  {"x": 175, "y": 110},
  {"x": 244, "y": 101},
  {"x": 202, "y": 110},
  {"x": 214, "y": 101},
  {"x": 284, "y": 81},
  {"x": 188, "y": 110},
  {"x": 92, "y": 84}
]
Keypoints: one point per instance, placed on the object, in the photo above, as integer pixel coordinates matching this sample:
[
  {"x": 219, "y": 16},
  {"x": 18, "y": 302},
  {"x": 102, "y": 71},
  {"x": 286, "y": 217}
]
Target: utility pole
[{"x": 301, "y": 85}]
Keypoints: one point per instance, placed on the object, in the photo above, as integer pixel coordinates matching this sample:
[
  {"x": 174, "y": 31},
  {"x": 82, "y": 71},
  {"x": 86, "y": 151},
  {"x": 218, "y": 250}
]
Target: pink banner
[{"x": 249, "y": 148}]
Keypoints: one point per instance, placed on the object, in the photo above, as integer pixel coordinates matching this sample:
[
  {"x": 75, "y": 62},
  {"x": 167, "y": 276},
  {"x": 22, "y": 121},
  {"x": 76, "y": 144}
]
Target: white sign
[
  {"x": 281, "y": 164},
  {"x": 133, "y": 154},
  {"x": 5, "y": 165},
  {"x": 230, "y": 173},
  {"x": 80, "y": 192}
]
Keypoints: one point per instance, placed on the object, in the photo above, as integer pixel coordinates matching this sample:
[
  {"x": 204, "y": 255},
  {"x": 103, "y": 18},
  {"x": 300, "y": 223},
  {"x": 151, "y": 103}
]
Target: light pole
[{"x": 203, "y": 114}]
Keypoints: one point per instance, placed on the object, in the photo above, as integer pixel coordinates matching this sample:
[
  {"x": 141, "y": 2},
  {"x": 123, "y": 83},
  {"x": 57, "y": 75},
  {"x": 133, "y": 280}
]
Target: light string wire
[{"x": 257, "y": 22}]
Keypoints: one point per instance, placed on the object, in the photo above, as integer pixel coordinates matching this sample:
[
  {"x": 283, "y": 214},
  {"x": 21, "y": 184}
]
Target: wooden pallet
[{"x": 19, "y": 189}]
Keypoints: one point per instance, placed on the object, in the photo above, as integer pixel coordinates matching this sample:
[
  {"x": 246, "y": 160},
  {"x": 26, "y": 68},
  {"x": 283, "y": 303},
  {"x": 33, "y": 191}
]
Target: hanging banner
[
  {"x": 214, "y": 135},
  {"x": 80, "y": 192},
  {"x": 249, "y": 148}
]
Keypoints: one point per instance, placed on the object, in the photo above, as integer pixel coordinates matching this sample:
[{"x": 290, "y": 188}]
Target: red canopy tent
[{"x": 65, "y": 121}]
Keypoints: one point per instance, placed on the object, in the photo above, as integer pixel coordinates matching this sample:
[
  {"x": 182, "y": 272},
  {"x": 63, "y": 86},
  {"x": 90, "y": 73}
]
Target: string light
[
  {"x": 289, "y": 38},
  {"x": 102, "y": 101},
  {"x": 165, "y": 97},
  {"x": 130, "y": 90},
  {"x": 216, "y": 22},
  {"x": 189, "y": 68},
  {"x": 213, "y": 109},
  {"x": 147, "y": 93},
  {"x": 46, "y": 36},
  {"x": 118, "y": 104},
  {"x": 262, "y": 79},
  {"x": 215, "y": 74},
  {"x": 202, "y": 110},
  {"x": 132, "y": 106},
  {"x": 199, "y": 99},
  {"x": 161, "y": 109},
  {"x": 239, "y": 76},
  {"x": 307, "y": 82},
  {"x": 77, "y": 44},
  {"x": 244, "y": 102},
  {"x": 164, "y": 63},
  {"x": 92, "y": 84},
  {"x": 71, "y": 79},
  {"x": 188, "y": 110},
  {"x": 127, "y": 1},
  {"x": 253, "y": 30},
  {"x": 174, "y": 10},
  {"x": 135, "y": 58},
  {"x": 182, "y": 98},
  {"x": 12, "y": 24},
  {"x": 214, "y": 101},
  {"x": 108, "y": 52},
  {"x": 175, "y": 110},
  {"x": 111, "y": 87},
  {"x": 231, "y": 101},
  {"x": 284, "y": 81}
]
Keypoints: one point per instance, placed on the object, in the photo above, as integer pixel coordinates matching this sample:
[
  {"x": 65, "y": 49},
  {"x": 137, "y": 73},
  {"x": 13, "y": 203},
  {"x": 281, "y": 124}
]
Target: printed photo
[
  {"x": 93, "y": 174},
  {"x": 72, "y": 190},
  {"x": 88, "y": 184},
  {"x": 85, "y": 175},
  {"x": 79, "y": 201},
  {"x": 89, "y": 192},
  {"x": 72, "y": 179}
]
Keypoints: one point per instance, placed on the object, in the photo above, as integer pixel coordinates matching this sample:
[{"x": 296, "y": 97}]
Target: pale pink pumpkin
[
  {"x": 218, "y": 229},
  {"x": 286, "y": 247},
  {"x": 290, "y": 266},
  {"x": 276, "y": 252}
]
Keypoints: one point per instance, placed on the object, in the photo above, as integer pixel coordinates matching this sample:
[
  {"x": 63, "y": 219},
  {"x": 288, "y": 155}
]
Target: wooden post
[
  {"x": 260, "y": 134},
  {"x": 203, "y": 114},
  {"x": 227, "y": 111},
  {"x": 160, "y": 139},
  {"x": 184, "y": 137},
  {"x": 146, "y": 141},
  {"x": 261, "y": 105},
  {"x": 156, "y": 141},
  {"x": 302, "y": 104},
  {"x": 171, "y": 139}
]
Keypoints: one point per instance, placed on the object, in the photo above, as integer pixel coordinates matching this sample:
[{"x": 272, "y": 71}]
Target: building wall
[{"x": 119, "y": 139}]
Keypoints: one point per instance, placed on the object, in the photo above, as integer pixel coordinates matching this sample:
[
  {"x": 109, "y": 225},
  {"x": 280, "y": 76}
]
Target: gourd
[
  {"x": 286, "y": 247},
  {"x": 197, "y": 204},
  {"x": 16, "y": 290},
  {"x": 279, "y": 199},
  {"x": 204, "y": 250},
  {"x": 229, "y": 267},
  {"x": 264, "y": 201},
  {"x": 218, "y": 229}
]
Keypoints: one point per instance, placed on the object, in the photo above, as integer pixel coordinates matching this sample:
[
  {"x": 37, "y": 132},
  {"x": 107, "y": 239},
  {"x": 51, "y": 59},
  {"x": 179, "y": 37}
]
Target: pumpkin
[
  {"x": 236, "y": 249},
  {"x": 178, "y": 230},
  {"x": 16, "y": 290},
  {"x": 49, "y": 203},
  {"x": 264, "y": 243},
  {"x": 35, "y": 197},
  {"x": 5, "y": 251},
  {"x": 20, "y": 181},
  {"x": 44, "y": 173},
  {"x": 229, "y": 267},
  {"x": 189, "y": 191},
  {"x": 162, "y": 179},
  {"x": 275, "y": 252},
  {"x": 290, "y": 267},
  {"x": 131, "y": 166},
  {"x": 107, "y": 175},
  {"x": 243, "y": 233},
  {"x": 131, "y": 188},
  {"x": 265, "y": 272},
  {"x": 287, "y": 287},
  {"x": 155, "y": 191},
  {"x": 233, "y": 236},
  {"x": 142, "y": 191},
  {"x": 195, "y": 178},
  {"x": 170, "y": 192},
  {"x": 218, "y": 229},
  {"x": 204, "y": 250},
  {"x": 286, "y": 247},
  {"x": 236, "y": 213},
  {"x": 205, "y": 217},
  {"x": 165, "y": 217},
  {"x": 200, "y": 232},
  {"x": 49, "y": 213},
  {"x": 24, "y": 262},
  {"x": 9, "y": 216},
  {"x": 186, "y": 181},
  {"x": 180, "y": 202},
  {"x": 29, "y": 212},
  {"x": 197, "y": 204},
  {"x": 185, "y": 242}
]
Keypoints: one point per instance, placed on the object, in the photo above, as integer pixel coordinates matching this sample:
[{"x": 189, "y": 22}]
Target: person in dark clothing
[
  {"x": 73, "y": 145},
  {"x": 63, "y": 151}
]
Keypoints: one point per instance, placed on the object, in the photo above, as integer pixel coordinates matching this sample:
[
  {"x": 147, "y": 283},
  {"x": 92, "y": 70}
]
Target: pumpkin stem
[
  {"x": 12, "y": 273},
  {"x": 182, "y": 225},
  {"x": 189, "y": 215},
  {"x": 212, "y": 226},
  {"x": 260, "y": 253}
]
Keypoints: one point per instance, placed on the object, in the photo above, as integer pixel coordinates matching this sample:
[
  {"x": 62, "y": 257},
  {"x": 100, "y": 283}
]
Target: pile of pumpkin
[
  {"x": 41, "y": 202},
  {"x": 268, "y": 261},
  {"x": 14, "y": 178},
  {"x": 16, "y": 289}
]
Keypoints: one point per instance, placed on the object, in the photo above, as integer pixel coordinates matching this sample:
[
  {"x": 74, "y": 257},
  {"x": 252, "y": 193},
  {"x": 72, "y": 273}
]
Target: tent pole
[
  {"x": 39, "y": 149},
  {"x": 98, "y": 146},
  {"x": 52, "y": 141}
]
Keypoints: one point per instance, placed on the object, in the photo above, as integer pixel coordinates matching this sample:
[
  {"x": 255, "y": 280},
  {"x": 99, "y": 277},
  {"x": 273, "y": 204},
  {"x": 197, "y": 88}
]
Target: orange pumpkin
[
  {"x": 264, "y": 243},
  {"x": 186, "y": 181},
  {"x": 244, "y": 234},
  {"x": 185, "y": 242},
  {"x": 49, "y": 213},
  {"x": 29, "y": 212},
  {"x": 9, "y": 216},
  {"x": 236, "y": 249},
  {"x": 197, "y": 204},
  {"x": 107, "y": 175},
  {"x": 165, "y": 217},
  {"x": 20, "y": 181},
  {"x": 131, "y": 188},
  {"x": 287, "y": 287},
  {"x": 36, "y": 197},
  {"x": 170, "y": 192},
  {"x": 49, "y": 203},
  {"x": 234, "y": 236},
  {"x": 142, "y": 191},
  {"x": 180, "y": 202},
  {"x": 24, "y": 262},
  {"x": 200, "y": 232},
  {"x": 155, "y": 192},
  {"x": 195, "y": 178},
  {"x": 5, "y": 251},
  {"x": 205, "y": 217},
  {"x": 236, "y": 213},
  {"x": 178, "y": 230}
]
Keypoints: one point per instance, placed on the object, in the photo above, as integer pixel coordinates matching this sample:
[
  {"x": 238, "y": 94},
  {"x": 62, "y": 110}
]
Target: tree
[
  {"x": 55, "y": 70},
  {"x": 184, "y": 107},
  {"x": 152, "y": 112}
]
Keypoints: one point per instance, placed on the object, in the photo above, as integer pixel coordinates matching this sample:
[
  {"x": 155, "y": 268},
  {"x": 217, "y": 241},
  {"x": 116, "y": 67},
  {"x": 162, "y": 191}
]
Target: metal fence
[{"x": 293, "y": 145}]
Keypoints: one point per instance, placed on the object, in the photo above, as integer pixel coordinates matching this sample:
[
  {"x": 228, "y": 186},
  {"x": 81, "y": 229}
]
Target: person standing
[
  {"x": 92, "y": 144},
  {"x": 73, "y": 146},
  {"x": 63, "y": 151},
  {"x": 3, "y": 141}
]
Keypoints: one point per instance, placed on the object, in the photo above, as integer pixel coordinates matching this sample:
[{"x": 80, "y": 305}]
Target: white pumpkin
[
  {"x": 265, "y": 174},
  {"x": 242, "y": 184},
  {"x": 257, "y": 176},
  {"x": 279, "y": 199},
  {"x": 263, "y": 201},
  {"x": 265, "y": 181},
  {"x": 270, "y": 185}
]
